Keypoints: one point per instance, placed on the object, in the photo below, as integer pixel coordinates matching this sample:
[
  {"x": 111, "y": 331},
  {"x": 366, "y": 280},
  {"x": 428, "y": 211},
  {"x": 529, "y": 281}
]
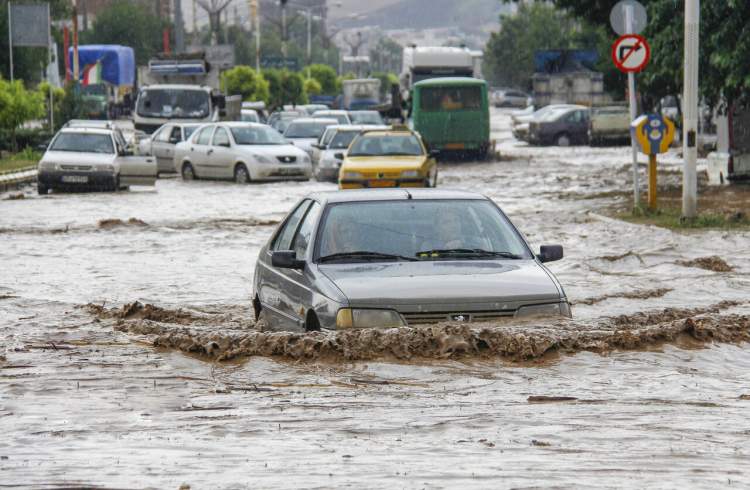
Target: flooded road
[{"x": 632, "y": 392}]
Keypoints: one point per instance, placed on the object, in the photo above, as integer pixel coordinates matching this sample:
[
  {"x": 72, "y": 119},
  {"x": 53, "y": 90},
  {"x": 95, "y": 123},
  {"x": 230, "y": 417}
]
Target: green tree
[
  {"x": 293, "y": 88},
  {"x": 129, "y": 24},
  {"x": 17, "y": 106},
  {"x": 244, "y": 81},
  {"x": 387, "y": 55},
  {"x": 326, "y": 77},
  {"x": 724, "y": 75},
  {"x": 312, "y": 87},
  {"x": 57, "y": 94},
  {"x": 387, "y": 80},
  {"x": 275, "y": 91}
]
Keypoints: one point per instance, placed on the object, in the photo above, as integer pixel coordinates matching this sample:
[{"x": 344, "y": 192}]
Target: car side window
[
  {"x": 204, "y": 136},
  {"x": 158, "y": 134},
  {"x": 283, "y": 240},
  {"x": 162, "y": 135},
  {"x": 302, "y": 240},
  {"x": 221, "y": 138},
  {"x": 176, "y": 134}
]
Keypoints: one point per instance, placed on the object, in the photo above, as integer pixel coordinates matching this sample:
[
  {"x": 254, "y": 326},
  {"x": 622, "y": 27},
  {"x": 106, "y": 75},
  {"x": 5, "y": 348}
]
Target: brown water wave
[{"x": 206, "y": 335}]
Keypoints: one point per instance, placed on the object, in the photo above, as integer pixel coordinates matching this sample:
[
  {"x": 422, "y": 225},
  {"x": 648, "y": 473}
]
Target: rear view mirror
[
  {"x": 339, "y": 156},
  {"x": 550, "y": 253},
  {"x": 286, "y": 259}
]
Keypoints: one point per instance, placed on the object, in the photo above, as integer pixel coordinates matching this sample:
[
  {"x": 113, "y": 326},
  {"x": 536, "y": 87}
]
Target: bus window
[{"x": 435, "y": 99}]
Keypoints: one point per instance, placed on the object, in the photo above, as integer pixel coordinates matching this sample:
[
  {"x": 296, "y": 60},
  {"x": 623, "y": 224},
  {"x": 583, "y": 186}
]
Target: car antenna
[{"x": 408, "y": 195}]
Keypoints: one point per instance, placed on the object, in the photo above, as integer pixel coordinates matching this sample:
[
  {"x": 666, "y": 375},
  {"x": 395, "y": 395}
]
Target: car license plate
[
  {"x": 289, "y": 171},
  {"x": 382, "y": 183},
  {"x": 75, "y": 179}
]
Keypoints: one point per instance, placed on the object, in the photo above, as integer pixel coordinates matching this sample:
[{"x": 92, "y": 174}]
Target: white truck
[
  {"x": 184, "y": 89},
  {"x": 423, "y": 62},
  {"x": 361, "y": 93}
]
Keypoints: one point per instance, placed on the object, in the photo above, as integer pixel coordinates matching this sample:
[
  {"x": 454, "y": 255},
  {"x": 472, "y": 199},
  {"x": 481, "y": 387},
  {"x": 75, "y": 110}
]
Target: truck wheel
[
  {"x": 241, "y": 175},
  {"x": 42, "y": 189},
  {"x": 188, "y": 173},
  {"x": 562, "y": 139}
]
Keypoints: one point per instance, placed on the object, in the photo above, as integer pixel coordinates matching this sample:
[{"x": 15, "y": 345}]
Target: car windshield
[
  {"x": 249, "y": 116},
  {"x": 305, "y": 130},
  {"x": 430, "y": 230},
  {"x": 342, "y": 140},
  {"x": 172, "y": 103},
  {"x": 386, "y": 145},
  {"x": 366, "y": 117},
  {"x": 257, "y": 136},
  {"x": 83, "y": 142}
]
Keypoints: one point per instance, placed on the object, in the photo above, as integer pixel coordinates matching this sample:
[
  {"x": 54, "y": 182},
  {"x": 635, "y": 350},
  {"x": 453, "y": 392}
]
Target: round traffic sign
[
  {"x": 631, "y": 53},
  {"x": 619, "y": 13}
]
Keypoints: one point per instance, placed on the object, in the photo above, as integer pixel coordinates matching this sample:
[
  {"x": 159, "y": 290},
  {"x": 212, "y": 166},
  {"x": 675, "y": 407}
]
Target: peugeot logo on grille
[
  {"x": 460, "y": 318},
  {"x": 286, "y": 159},
  {"x": 381, "y": 175}
]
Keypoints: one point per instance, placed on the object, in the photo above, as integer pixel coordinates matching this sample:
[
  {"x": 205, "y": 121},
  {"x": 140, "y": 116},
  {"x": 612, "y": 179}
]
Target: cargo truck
[
  {"x": 107, "y": 79},
  {"x": 361, "y": 94}
]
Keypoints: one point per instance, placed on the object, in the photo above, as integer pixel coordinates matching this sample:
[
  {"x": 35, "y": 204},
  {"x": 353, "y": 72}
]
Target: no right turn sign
[{"x": 631, "y": 53}]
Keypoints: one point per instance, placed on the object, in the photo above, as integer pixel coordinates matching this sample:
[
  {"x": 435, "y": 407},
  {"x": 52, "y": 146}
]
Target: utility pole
[
  {"x": 256, "y": 26},
  {"x": 283, "y": 27},
  {"x": 629, "y": 14},
  {"x": 690, "y": 110},
  {"x": 76, "y": 71},
  {"x": 195, "y": 22},
  {"x": 309, "y": 40},
  {"x": 10, "y": 41},
  {"x": 179, "y": 28}
]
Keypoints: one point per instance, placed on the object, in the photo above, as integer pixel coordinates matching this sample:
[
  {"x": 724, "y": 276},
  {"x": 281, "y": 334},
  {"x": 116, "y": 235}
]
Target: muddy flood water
[{"x": 129, "y": 357}]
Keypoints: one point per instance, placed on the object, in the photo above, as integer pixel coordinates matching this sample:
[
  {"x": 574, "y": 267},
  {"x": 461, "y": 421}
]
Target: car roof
[
  {"x": 358, "y": 127},
  {"x": 364, "y": 111},
  {"x": 331, "y": 111},
  {"x": 83, "y": 129},
  {"x": 367, "y": 195},
  {"x": 316, "y": 120},
  {"x": 242, "y": 124}
]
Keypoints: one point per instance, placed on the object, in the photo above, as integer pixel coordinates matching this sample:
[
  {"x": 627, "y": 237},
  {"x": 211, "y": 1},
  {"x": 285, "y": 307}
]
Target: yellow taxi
[{"x": 388, "y": 158}]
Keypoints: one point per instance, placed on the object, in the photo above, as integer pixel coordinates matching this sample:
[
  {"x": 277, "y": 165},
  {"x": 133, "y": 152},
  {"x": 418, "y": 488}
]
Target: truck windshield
[
  {"x": 436, "y": 99},
  {"x": 257, "y": 136},
  {"x": 83, "y": 142},
  {"x": 174, "y": 103}
]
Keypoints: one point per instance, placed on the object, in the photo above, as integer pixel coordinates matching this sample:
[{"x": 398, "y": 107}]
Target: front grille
[
  {"x": 289, "y": 159},
  {"x": 82, "y": 168},
  {"x": 470, "y": 316}
]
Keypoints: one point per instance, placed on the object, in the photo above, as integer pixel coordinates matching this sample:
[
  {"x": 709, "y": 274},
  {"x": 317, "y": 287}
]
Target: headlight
[
  {"x": 548, "y": 310},
  {"x": 106, "y": 168},
  {"x": 262, "y": 159},
  {"x": 357, "y": 318},
  {"x": 46, "y": 165},
  {"x": 352, "y": 175},
  {"x": 410, "y": 174}
]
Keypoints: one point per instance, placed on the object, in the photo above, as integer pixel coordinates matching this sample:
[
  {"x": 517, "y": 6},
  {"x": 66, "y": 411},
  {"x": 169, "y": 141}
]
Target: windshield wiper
[
  {"x": 364, "y": 255},
  {"x": 467, "y": 253}
]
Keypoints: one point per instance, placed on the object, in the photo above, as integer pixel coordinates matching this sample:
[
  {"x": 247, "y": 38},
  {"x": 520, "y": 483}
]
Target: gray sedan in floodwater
[{"x": 392, "y": 258}]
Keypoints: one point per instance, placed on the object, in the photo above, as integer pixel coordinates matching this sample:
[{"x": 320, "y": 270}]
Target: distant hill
[{"x": 467, "y": 15}]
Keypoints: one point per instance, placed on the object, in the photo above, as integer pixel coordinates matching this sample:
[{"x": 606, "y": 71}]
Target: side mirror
[
  {"x": 550, "y": 253},
  {"x": 339, "y": 156},
  {"x": 434, "y": 153},
  {"x": 286, "y": 259},
  {"x": 174, "y": 140}
]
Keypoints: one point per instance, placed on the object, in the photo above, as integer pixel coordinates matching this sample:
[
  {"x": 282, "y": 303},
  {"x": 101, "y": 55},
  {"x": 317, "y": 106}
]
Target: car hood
[
  {"x": 78, "y": 158},
  {"x": 393, "y": 162},
  {"x": 439, "y": 282},
  {"x": 303, "y": 143}
]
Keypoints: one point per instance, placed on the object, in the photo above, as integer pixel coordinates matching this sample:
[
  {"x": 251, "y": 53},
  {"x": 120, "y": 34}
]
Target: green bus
[{"x": 452, "y": 115}]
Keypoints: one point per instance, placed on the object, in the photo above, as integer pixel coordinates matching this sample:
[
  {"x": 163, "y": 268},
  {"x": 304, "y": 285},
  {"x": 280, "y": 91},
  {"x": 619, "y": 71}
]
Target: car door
[
  {"x": 161, "y": 148},
  {"x": 135, "y": 169},
  {"x": 580, "y": 126},
  {"x": 199, "y": 148},
  {"x": 220, "y": 156},
  {"x": 276, "y": 287}
]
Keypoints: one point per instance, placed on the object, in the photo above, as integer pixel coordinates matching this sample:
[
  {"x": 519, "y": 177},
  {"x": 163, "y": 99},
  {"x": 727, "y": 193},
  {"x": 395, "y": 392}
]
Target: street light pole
[
  {"x": 690, "y": 110},
  {"x": 633, "y": 112},
  {"x": 309, "y": 40},
  {"x": 283, "y": 27}
]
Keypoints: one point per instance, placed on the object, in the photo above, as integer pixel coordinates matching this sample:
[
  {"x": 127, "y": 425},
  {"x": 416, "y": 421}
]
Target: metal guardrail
[
  {"x": 10, "y": 178},
  {"x": 18, "y": 170}
]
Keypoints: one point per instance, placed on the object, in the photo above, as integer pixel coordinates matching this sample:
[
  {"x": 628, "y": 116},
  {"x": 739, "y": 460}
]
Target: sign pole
[
  {"x": 49, "y": 79},
  {"x": 633, "y": 110},
  {"x": 690, "y": 110},
  {"x": 10, "y": 41},
  {"x": 652, "y": 196}
]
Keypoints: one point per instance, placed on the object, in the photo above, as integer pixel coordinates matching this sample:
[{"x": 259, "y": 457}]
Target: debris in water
[
  {"x": 744, "y": 397},
  {"x": 645, "y": 294},
  {"x": 14, "y": 197},
  {"x": 108, "y": 224},
  {"x": 615, "y": 258},
  {"x": 534, "y": 442},
  {"x": 551, "y": 399},
  {"x": 713, "y": 263}
]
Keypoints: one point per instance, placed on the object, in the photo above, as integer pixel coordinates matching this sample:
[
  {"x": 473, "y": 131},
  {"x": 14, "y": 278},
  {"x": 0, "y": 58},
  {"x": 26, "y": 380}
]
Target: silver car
[
  {"x": 162, "y": 143},
  {"x": 392, "y": 258}
]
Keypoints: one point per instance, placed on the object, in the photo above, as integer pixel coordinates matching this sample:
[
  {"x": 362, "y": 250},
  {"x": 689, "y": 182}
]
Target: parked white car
[
  {"x": 366, "y": 117},
  {"x": 510, "y": 98},
  {"x": 242, "y": 152},
  {"x": 305, "y": 132},
  {"x": 335, "y": 141},
  {"x": 86, "y": 158},
  {"x": 162, "y": 143}
]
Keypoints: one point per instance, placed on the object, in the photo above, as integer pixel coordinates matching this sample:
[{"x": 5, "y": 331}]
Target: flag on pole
[{"x": 92, "y": 74}]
